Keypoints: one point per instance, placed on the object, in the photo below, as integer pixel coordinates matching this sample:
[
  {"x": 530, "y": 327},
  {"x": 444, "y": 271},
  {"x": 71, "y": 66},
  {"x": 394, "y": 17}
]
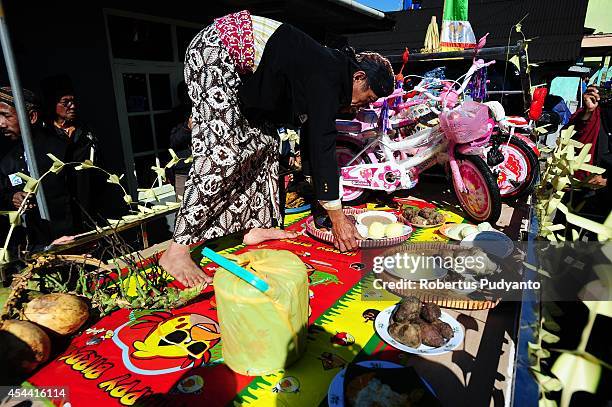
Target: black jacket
[
  {"x": 302, "y": 83},
  {"x": 39, "y": 232},
  {"x": 66, "y": 193},
  {"x": 84, "y": 187}
]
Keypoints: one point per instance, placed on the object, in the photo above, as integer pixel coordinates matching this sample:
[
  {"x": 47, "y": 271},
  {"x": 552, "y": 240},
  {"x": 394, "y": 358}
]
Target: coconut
[
  {"x": 63, "y": 314},
  {"x": 23, "y": 346}
]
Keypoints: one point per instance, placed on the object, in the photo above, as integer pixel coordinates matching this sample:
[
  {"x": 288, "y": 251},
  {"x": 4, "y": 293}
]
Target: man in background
[
  {"x": 38, "y": 232},
  {"x": 593, "y": 125},
  {"x": 79, "y": 144}
]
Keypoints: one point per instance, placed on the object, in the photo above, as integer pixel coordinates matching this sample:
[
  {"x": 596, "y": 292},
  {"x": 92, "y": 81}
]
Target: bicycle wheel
[
  {"x": 344, "y": 153},
  {"x": 516, "y": 175},
  {"x": 482, "y": 202}
]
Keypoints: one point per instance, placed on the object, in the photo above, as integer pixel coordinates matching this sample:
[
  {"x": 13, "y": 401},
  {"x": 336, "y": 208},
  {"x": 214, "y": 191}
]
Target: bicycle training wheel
[{"x": 516, "y": 175}]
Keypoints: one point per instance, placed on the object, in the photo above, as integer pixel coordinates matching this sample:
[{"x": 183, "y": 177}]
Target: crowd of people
[{"x": 56, "y": 129}]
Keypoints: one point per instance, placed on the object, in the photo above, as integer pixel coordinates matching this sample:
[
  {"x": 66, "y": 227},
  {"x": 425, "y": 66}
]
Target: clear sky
[{"x": 383, "y": 5}]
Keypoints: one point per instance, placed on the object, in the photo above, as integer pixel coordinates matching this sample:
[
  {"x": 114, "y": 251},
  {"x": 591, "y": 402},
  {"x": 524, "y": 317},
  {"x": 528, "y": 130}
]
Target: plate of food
[
  {"x": 491, "y": 242},
  {"x": 457, "y": 231},
  {"x": 380, "y": 225},
  {"x": 378, "y": 234},
  {"x": 381, "y": 383},
  {"x": 419, "y": 328},
  {"x": 367, "y": 218},
  {"x": 378, "y": 231},
  {"x": 422, "y": 217}
]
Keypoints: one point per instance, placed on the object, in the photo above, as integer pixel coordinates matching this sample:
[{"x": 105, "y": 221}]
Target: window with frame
[{"x": 147, "y": 55}]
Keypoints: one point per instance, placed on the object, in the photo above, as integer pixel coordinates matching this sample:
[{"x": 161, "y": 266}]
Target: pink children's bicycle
[{"x": 386, "y": 149}]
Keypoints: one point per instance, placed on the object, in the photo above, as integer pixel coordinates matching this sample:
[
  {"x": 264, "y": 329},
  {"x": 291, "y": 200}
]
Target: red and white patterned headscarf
[{"x": 236, "y": 33}]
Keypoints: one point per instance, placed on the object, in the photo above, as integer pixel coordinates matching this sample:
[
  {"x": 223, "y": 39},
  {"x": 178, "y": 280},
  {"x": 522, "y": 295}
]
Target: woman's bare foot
[
  {"x": 258, "y": 235},
  {"x": 176, "y": 260}
]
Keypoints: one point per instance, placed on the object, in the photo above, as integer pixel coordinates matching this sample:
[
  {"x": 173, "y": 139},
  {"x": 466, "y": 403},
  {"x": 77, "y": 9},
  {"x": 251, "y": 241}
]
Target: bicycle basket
[{"x": 466, "y": 123}]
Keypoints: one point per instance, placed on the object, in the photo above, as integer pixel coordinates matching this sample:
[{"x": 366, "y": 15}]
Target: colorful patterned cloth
[
  {"x": 245, "y": 37},
  {"x": 233, "y": 182},
  {"x": 263, "y": 28},
  {"x": 236, "y": 33},
  {"x": 174, "y": 358}
]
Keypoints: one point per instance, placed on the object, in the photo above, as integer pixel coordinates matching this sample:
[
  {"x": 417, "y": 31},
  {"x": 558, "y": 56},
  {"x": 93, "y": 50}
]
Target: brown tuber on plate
[
  {"x": 408, "y": 310},
  {"x": 430, "y": 336},
  {"x": 414, "y": 323},
  {"x": 408, "y": 334},
  {"x": 445, "y": 329},
  {"x": 423, "y": 216},
  {"x": 418, "y": 220},
  {"x": 24, "y": 346},
  {"x": 427, "y": 213},
  {"x": 430, "y": 312},
  {"x": 409, "y": 212},
  {"x": 63, "y": 314}
]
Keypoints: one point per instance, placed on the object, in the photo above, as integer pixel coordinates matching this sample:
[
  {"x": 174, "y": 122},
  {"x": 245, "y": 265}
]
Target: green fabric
[{"x": 455, "y": 10}]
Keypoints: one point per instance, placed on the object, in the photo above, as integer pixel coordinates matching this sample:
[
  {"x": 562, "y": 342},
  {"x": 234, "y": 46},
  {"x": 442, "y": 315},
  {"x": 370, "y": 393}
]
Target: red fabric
[
  {"x": 236, "y": 32},
  {"x": 405, "y": 57},
  {"x": 121, "y": 363},
  {"x": 587, "y": 131},
  {"x": 537, "y": 104}
]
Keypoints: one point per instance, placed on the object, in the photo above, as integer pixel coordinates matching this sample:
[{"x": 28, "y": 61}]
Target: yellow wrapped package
[{"x": 263, "y": 332}]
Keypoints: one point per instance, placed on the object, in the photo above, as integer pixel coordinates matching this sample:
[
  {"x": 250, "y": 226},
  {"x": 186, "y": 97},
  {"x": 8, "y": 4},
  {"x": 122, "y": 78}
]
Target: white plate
[
  {"x": 335, "y": 394},
  {"x": 363, "y": 231},
  {"x": 387, "y": 215},
  {"x": 453, "y": 230},
  {"x": 485, "y": 227},
  {"x": 490, "y": 242},
  {"x": 468, "y": 230},
  {"x": 382, "y": 329}
]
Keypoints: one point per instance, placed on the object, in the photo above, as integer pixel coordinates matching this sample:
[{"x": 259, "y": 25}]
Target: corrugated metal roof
[{"x": 556, "y": 27}]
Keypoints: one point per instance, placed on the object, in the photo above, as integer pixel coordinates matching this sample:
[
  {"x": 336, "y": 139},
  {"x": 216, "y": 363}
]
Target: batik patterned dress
[{"x": 233, "y": 182}]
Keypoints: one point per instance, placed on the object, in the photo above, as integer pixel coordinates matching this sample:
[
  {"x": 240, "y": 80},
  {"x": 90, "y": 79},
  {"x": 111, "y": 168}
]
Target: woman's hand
[
  {"x": 62, "y": 240},
  {"x": 344, "y": 231},
  {"x": 591, "y": 99},
  {"x": 598, "y": 181},
  {"x": 19, "y": 197}
]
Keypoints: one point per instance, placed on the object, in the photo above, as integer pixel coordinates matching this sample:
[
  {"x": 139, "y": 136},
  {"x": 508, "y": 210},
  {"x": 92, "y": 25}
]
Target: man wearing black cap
[
  {"x": 38, "y": 232},
  {"x": 79, "y": 142},
  {"x": 247, "y": 75}
]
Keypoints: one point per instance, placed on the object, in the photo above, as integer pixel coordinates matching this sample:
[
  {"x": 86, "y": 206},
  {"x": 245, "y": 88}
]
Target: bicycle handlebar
[{"x": 476, "y": 65}]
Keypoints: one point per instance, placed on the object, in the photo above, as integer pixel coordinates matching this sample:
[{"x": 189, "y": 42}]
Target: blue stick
[{"x": 236, "y": 270}]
